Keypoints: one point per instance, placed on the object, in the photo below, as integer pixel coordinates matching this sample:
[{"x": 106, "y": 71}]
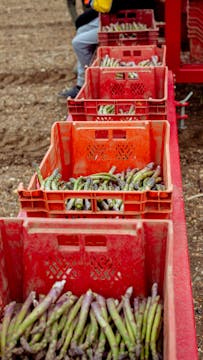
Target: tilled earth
[{"x": 36, "y": 63}]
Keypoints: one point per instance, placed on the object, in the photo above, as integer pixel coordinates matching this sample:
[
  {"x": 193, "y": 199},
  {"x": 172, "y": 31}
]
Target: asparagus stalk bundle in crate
[
  {"x": 124, "y": 26},
  {"x": 63, "y": 326},
  {"x": 137, "y": 25},
  {"x": 147, "y": 178},
  {"x": 108, "y": 61}
]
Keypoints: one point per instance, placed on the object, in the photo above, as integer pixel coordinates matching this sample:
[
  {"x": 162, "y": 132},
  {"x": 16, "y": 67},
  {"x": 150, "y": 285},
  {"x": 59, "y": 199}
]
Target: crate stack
[
  {"x": 195, "y": 28},
  {"x": 118, "y": 119}
]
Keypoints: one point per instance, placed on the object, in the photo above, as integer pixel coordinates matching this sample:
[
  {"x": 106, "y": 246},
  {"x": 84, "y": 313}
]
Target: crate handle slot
[
  {"x": 96, "y": 243},
  {"x": 68, "y": 242},
  {"x": 121, "y": 15},
  {"x": 133, "y": 75},
  {"x": 119, "y": 134},
  {"x": 120, "y": 76},
  {"x": 137, "y": 53},
  {"x": 126, "y": 53},
  {"x": 101, "y": 134},
  {"x": 131, "y": 15}
]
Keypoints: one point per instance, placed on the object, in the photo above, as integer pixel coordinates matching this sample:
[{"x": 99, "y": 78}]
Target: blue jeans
[{"x": 84, "y": 45}]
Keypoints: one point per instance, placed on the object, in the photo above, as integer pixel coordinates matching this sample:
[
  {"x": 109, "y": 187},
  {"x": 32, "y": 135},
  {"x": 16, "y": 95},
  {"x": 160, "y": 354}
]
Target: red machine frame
[{"x": 185, "y": 73}]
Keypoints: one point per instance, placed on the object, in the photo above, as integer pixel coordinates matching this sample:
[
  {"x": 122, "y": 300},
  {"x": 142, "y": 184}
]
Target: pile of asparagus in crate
[
  {"x": 133, "y": 26},
  {"x": 108, "y": 61},
  {"x": 63, "y": 326},
  {"x": 147, "y": 178}
]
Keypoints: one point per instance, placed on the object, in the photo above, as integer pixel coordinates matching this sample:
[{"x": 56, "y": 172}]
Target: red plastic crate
[
  {"x": 106, "y": 256},
  {"x": 195, "y": 29},
  {"x": 82, "y": 148},
  {"x": 196, "y": 48},
  {"x": 147, "y": 93},
  {"x": 196, "y": 24},
  {"x": 130, "y": 53},
  {"x": 195, "y": 9},
  {"x": 196, "y": 32},
  {"x": 139, "y": 37}
]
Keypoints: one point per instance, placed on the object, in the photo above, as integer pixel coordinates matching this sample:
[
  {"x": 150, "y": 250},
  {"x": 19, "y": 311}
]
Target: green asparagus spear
[
  {"x": 60, "y": 308},
  {"x": 82, "y": 317},
  {"x": 8, "y": 312},
  {"x": 48, "y": 180},
  {"x": 23, "y": 312},
  {"x": 150, "y": 319},
  {"x": 155, "y": 327},
  {"x": 139, "y": 326},
  {"x": 38, "y": 311},
  {"x": 55, "y": 182},
  {"x": 71, "y": 316},
  {"x": 107, "y": 330},
  {"x": 93, "y": 330},
  {"x": 51, "y": 353},
  {"x": 68, "y": 338},
  {"x": 129, "y": 328},
  {"x": 39, "y": 175},
  {"x": 101, "y": 346},
  {"x": 120, "y": 325},
  {"x": 144, "y": 326},
  {"x": 128, "y": 312}
]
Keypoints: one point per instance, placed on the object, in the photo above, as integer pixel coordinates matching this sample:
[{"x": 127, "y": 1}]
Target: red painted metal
[
  {"x": 190, "y": 73},
  {"x": 178, "y": 117},
  {"x": 185, "y": 323},
  {"x": 181, "y": 104}
]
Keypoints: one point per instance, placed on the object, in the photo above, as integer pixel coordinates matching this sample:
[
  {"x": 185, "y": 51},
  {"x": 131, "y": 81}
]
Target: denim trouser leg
[{"x": 84, "y": 44}]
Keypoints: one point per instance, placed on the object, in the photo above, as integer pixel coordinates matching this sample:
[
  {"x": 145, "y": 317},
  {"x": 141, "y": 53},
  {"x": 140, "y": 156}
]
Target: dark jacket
[
  {"x": 83, "y": 19},
  {"x": 132, "y": 4}
]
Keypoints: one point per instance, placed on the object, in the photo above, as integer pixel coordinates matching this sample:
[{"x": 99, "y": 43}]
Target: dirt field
[{"x": 36, "y": 62}]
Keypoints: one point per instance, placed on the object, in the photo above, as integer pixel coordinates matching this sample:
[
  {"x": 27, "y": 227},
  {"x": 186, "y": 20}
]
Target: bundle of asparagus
[
  {"x": 133, "y": 26},
  {"x": 147, "y": 178},
  {"x": 110, "y": 109},
  {"x": 63, "y": 326},
  {"x": 107, "y": 61}
]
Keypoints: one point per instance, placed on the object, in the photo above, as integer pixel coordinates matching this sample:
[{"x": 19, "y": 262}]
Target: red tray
[
  {"x": 139, "y": 37},
  {"x": 82, "y": 148},
  {"x": 147, "y": 93},
  {"x": 130, "y": 53},
  {"x": 106, "y": 256}
]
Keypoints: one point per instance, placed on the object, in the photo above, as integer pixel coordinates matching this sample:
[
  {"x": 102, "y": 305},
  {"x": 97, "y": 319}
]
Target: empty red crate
[
  {"x": 195, "y": 9},
  {"x": 196, "y": 24},
  {"x": 196, "y": 48},
  {"x": 195, "y": 32},
  {"x": 83, "y": 148},
  {"x": 130, "y": 53},
  {"x": 106, "y": 256},
  {"x": 138, "y": 37},
  {"x": 147, "y": 93}
]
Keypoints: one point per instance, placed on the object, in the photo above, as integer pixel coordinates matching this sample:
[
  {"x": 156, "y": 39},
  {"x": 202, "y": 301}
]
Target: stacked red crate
[
  {"x": 195, "y": 28},
  {"x": 123, "y": 34}
]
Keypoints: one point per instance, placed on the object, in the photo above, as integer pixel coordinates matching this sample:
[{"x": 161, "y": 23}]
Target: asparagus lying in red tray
[
  {"x": 64, "y": 326},
  {"x": 108, "y": 61},
  {"x": 131, "y": 179}
]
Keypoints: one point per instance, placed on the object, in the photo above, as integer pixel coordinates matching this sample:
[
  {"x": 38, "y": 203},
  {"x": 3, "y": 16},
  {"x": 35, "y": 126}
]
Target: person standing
[{"x": 86, "y": 39}]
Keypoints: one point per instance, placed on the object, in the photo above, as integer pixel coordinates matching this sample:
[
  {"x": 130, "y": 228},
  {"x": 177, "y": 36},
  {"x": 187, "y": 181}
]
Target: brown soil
[{"x": 36, "y": 63}]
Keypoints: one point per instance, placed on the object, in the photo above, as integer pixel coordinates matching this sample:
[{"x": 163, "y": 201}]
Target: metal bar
[
  {"x": 189, "y": 74},
  {"x": 173, "y": 33}
]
